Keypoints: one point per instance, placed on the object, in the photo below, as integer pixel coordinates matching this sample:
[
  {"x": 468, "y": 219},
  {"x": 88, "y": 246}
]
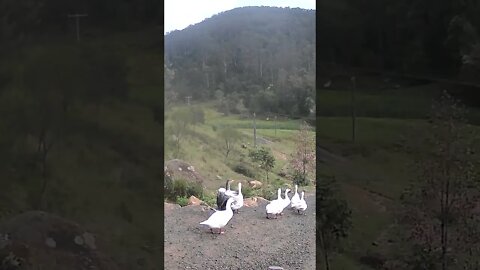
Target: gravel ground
[{"x": 251, "y": 241}]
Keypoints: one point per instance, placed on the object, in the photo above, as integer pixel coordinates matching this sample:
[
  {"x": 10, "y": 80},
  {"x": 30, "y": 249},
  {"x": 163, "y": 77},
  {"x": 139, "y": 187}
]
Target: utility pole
[
  {"x": 354, "y": 86},
  {"x": 275, "y": 121},
  {"x": 254, "y": 132},
  {"x": 77, "y": 19}
]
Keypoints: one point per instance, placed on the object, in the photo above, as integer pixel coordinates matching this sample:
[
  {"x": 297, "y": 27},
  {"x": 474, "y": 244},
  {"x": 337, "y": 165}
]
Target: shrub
[
  {"x": 300, "y": 179},
  {"x": 182, "y": 201},
  {"x": 183, "y": 188},
  {"x": 244, "y": 169},
  {"x": 210, "y": 199},
  {"x": 269, "y": 193},
  {"x": 248, "y": 192}
]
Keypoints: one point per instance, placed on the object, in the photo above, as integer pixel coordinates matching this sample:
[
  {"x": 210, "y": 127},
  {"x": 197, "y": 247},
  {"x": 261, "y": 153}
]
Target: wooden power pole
[
  {"x": 77, "y": 19},
  {"x": 354, "y": 86},
  {"x": 254, "y": 132},
  {"x": 275, "y": 119}
]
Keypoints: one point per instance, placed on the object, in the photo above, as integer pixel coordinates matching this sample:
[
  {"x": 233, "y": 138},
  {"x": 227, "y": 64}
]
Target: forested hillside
[
  {"x": 256, "y": 58},
  {"x": 439, "y": 38}
]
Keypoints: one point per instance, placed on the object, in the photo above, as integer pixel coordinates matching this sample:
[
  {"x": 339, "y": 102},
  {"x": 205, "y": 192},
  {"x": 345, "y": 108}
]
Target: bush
[
  {"x": 244, "y": 169},
  {"x": 182, "y": 201},
  {"x": 269, "y": 193},
  {"x": 300, "y": 179},
  {"x": 248, "y": 192},
  {"x": 210, "y": 200},
  {"x": 183, "y": 188}
]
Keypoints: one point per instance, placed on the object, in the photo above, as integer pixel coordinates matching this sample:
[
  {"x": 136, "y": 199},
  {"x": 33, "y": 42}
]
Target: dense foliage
[
  {"x": 260, "y": 58},
  {"x": 426, "y": 37}
]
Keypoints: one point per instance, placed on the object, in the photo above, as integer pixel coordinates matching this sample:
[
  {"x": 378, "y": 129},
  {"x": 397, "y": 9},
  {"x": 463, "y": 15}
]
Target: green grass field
[
  {"x": 377, "y": 166},
  {"x": 205, "y": 149}
]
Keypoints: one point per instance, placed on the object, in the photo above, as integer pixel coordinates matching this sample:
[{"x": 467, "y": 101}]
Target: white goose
[
  {"x": 273, "y": 207},
  {"x": 238, "y": 199},
  {"x": 229, "y": 192},
  {"x": 222, "y": 196},
  {"x": 295, "y": 198},
  {"x": 285, "y": 201},
  {"x": 220, "y": 218},
  {"x": 302, "y": 204}
]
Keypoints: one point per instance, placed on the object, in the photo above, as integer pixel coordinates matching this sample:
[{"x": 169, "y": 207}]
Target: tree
[
  {"x": 44, "y": 98},
  {"x": 177, "y": 126},
  {"x": 264, "y": 157},
  {"x": 303, "y": 160},
  {"x": 229, "y": 136},
  {"x": 333, "y": 217},
  {"x": 439, "y": 206}
]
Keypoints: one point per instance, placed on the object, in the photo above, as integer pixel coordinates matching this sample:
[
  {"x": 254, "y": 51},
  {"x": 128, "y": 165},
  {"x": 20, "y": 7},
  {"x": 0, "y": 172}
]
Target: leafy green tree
[
  {"x": 264, "y": 158},
  {"x": 177, "y": 126},
  {"x": 304, "y": 158},
  {"x": 333, "y": 218}
]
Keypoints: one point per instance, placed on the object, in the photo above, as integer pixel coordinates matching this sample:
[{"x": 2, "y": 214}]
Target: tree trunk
[
  {"x": 44, "y": 153},
  {"x": 325, "y": 252},
  {"x": 228, "y": 149}
]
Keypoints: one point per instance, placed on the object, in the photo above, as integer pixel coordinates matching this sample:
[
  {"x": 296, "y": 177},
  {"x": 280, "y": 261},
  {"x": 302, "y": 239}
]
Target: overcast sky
[{"x": 179, "y": 14}]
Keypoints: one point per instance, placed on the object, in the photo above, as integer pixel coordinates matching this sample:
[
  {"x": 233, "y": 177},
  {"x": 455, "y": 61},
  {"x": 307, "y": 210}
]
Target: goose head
[{"x": 227, "y": 185}]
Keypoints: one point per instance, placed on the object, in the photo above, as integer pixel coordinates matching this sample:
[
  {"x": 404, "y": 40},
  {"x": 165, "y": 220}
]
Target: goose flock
[{"x": 230, "y": 201}]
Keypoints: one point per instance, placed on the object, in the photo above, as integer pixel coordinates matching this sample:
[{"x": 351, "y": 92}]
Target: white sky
[{"x": 179, "y": 14}]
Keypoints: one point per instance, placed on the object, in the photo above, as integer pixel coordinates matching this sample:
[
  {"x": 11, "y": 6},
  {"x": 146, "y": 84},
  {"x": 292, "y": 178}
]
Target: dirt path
[{"x": 250, "y": 242}]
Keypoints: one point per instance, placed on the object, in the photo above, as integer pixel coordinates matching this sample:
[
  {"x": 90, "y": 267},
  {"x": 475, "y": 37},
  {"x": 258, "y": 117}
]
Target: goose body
[
  {"x": 238, "y": 199},
  {"x": 302, "y": 204},
  {"x": 285, "y": 201},
  {"x": 295, "y": 198},
  {"x": 222, "y": 196},
  {"x": 220, "y": 218},
  {"x": 275, "y": 207},
  {"x": 229, "y": 192}
]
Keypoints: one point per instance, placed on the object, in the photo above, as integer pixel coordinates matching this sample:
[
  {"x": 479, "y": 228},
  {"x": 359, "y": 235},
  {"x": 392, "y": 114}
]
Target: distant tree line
[{"x": 438, "y": 38}]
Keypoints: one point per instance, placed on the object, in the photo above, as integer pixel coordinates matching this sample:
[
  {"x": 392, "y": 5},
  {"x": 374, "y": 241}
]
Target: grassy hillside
[
  {"x": 205, "y": 150},
  {"x": 106, "y": 174},
  {"x": 377, "y": 167}
]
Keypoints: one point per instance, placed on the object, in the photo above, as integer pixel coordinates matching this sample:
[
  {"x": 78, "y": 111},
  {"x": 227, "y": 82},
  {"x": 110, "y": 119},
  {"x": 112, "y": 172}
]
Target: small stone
[
  {"x": 194, "y": 200},
  {"x": 50, "y": 242},
  {"x": 255, "y": 184},
  {"x": 79, "y": 240}
]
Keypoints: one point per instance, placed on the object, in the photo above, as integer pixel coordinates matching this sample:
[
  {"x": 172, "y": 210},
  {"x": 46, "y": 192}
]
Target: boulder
[
  {"x": 194, "y": 200},
  {"x": 261, "y": 200},
  {"x": 255, "y": 184},
  {"x": 250, "y": 202},
  {"x": 38, "y": 239},
  {"x": 179, "y": 169}
]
